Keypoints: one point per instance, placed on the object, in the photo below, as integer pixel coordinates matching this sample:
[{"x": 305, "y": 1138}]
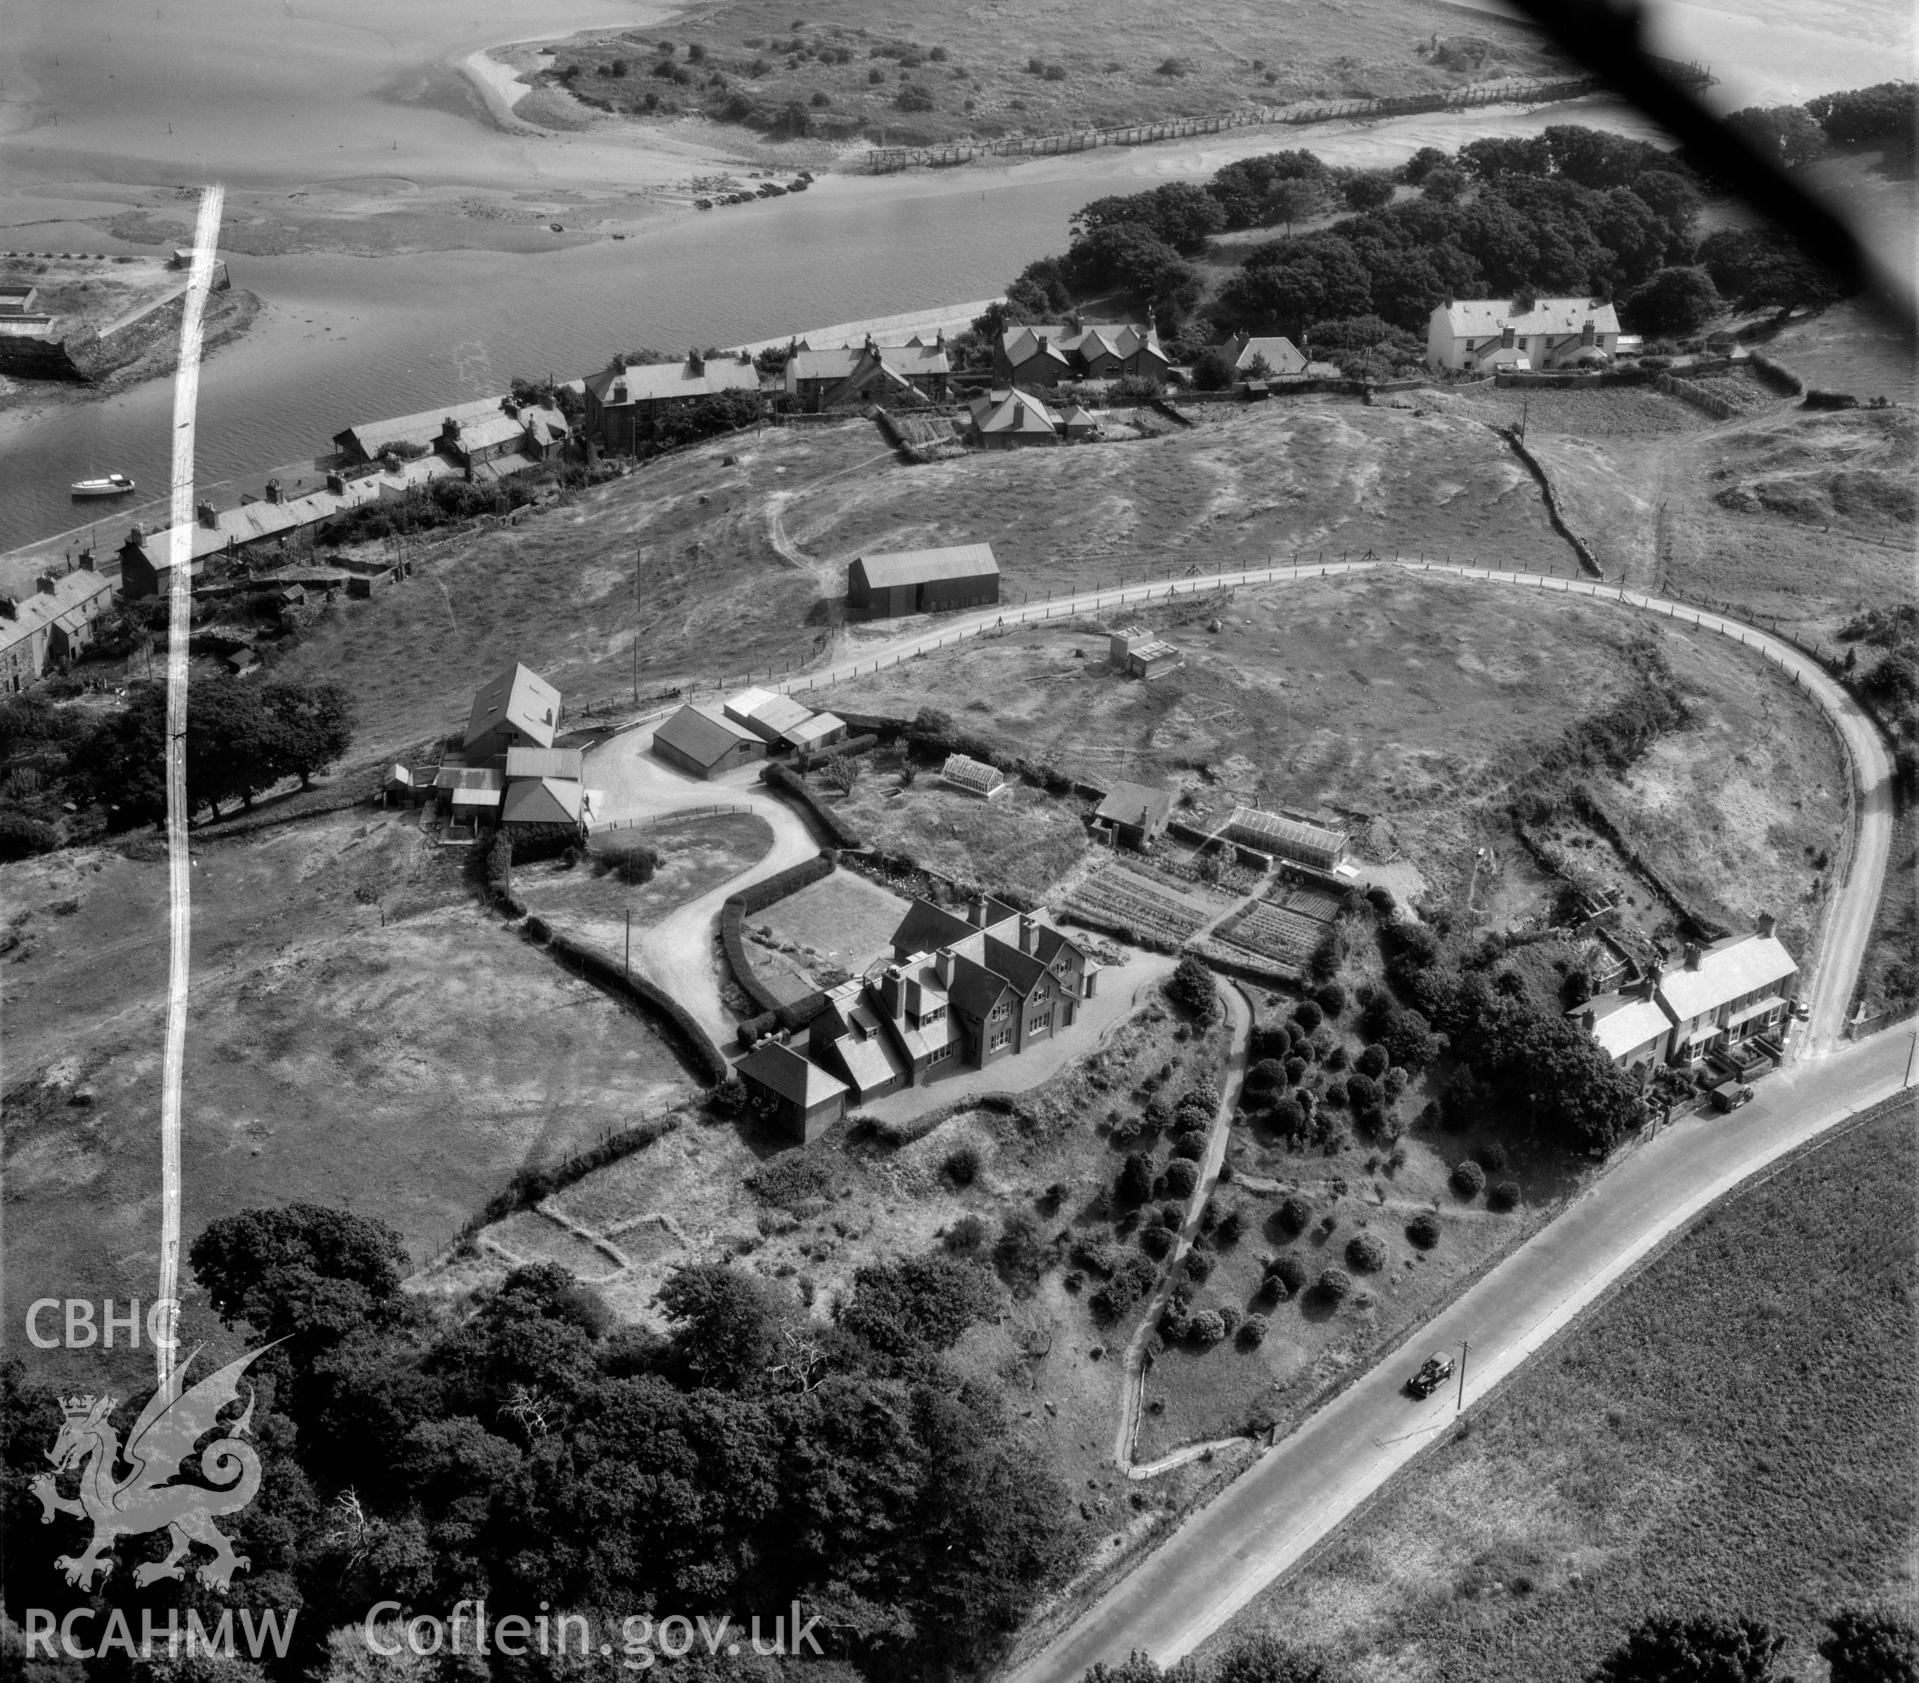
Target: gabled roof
[
  {"x": 783, "y": 1071},
  {"x": 1135, "y": 803},
  {"x": 1023, "y": 970},
  {"x": 81, "y": 589},
  {"x": 927, "y": 927},
  {"x": 495, "y": 429},
  {"x": 1022, "y": 344},
  {"x": 1015, "y": 412},
  {"x": 1281, "y": 355},
  {"x": 781, "y": 714},
  {"x": 816, "y": 729},
  {"x": 1476, "y": 318},
  {"x": 1740, "y": 964},
  {"x": 518, "y": 698},
  {"x": 702, "y": 735},
  {"x": 541, "y": 800},
  {"x": 976, "y": 988},
  {"x": 567, "y": 764},
  {"x": 651, "y": 382},
  {"x": 1623, "y": 1022},
  {"x": 920, "y": 566},
  {"x": 371, "y": 437}
]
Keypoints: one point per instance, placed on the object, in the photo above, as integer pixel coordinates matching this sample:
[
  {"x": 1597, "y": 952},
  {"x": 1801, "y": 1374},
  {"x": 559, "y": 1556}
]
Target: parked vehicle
[
  {"x": 1433, "y": 1372},
  {"x": 1801, "y": 1011},
  {"x": 1730, "y": 1095}
]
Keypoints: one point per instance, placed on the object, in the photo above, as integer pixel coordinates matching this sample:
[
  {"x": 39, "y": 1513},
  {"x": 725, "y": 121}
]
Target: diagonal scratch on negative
[{"x": 186, "y": 394}]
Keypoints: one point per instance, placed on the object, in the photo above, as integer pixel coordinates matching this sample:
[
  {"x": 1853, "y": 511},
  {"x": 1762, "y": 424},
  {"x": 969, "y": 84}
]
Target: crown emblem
[{"x": 81, "y": 1408}]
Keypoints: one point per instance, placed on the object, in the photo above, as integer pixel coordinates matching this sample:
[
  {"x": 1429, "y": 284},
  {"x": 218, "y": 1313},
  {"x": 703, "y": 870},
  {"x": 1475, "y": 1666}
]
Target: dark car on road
[{"x": 1433, "y": 1372}]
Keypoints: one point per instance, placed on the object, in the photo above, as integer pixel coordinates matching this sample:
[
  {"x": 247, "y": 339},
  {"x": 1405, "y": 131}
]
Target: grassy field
[
  {"x": 1412, "y": 703},
  {"x": 557, "y": 592},
  {"x": 860, "y": 69},
  {"x": 359, "y": 1034},
  {"x": 1733, "y": 1430}
]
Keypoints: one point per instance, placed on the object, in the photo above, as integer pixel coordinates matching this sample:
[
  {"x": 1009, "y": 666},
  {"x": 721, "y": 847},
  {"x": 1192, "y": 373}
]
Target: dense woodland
[
  {"x": 528, "y": 1450},
  {"x": 1570, "y": 210}
]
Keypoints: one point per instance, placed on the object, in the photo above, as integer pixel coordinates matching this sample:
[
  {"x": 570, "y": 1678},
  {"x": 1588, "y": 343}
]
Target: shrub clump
[
  {"x": 1335, "y": 1285},
  {"x": 1198, "y": 1266},
  {"x": 1182, "y": 1176},
  {"x": 1423, "y": 1230},
  {"x": 1365, "y": 1254},
  {"x": 1192, "y": 989},
  {"x": 1468, "y": 1178},
  {"x": 1156, "y": 1242},
  {"x": 1491, "y": 1157},
  {"x": 1191, "y": 1146},
  {"x": 1289, "y": 1268},
  {"x": 1206, "y": 1328},
  {"x": 962, "y": 1165},
  {"x": 1294, "y": 1213},
  {"x": 1502, "y": 1195},
  {"x": 1252, "y": 1332}
]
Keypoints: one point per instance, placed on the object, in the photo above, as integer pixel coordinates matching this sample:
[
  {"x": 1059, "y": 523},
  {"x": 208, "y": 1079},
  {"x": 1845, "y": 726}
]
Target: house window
[
  {"x": 1002, "y": 1011},
  {"x": 1038, "y": 1021},
  {"x": 1000, "y": 1038},
  {"x": 941, "y": 1053}
]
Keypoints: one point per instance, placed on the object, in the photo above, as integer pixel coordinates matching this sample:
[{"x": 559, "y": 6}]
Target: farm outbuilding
[
  {"x": 1134, "y": 813},
  {"x": 922, "y": 581},
  {"x": 822, "y": 730},
  {"x": 1139, "y": 654},
  {"x": 804, "y": 1098},
  {"x": 774, "y": 719},
  {"x": 976, "y": 777},
  {"x": 1287, "y": 838},
  {"x": 705, "y": 743}
]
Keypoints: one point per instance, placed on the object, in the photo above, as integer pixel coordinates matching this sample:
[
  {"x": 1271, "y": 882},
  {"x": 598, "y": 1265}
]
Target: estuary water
[{"x": 99, "y": 96}]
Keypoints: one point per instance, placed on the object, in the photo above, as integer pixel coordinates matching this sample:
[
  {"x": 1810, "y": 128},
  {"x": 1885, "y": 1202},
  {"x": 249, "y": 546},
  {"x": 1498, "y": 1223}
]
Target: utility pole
[
  {"x": 629, "y": 943},
  {"x": 636, "y": 625},
  {"x": 1461, "y": 1402}
]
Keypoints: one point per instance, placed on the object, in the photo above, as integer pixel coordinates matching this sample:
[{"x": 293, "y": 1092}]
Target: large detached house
[
  {"x": 1482, "y": 334},
  {"x": 1716, "y": 1001},
  {"x": 1046, "y": 353},
  {"x": 625, "y": 400},
  {"x": 961, "y": 991},
  {"x": 915, "y": 372},
  {"x": 518, "y": 709}
]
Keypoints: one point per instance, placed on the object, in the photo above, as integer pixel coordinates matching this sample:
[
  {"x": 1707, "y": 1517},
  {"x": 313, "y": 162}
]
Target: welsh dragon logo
[{"x": 147, "y": 1498}]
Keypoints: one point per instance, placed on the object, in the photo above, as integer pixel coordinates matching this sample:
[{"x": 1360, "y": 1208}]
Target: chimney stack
[
  {"x": 979, "y": 912},
  {"x": 1655, "y": 973},
  {"x": 1506, "y": 337},
  {"x": 1692, "y": 955},
  {"x": 44, "y": 584},
  {"x": 1588, "y": 1019},
  {"x": 892, "y": 992},
  {"x": 943, "y": 966},
  {"x": 207, "y": 517},
  {"x": 1586, "y": 333},
  {"x": 1028, "y": 933},
  {"x": 695, "y": 363},
  {"x": 274, "y": 493},
  {"x": 8, "y": 608},
  {"x": 1766, "y": 923}
]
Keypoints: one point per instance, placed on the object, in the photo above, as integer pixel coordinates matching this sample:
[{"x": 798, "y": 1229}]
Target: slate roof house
[
  {"x": 1045, "y": 353},
  {"x": 1535, "y": 333},
  {"x": 624, "y": 400},
  {"x": 702, "y": 741},
  {"x": 517, "y": 709},
  {"x": 425, "y": 431},
  {"x": 1280, "y": 355},
  {"x": 1716, "y": 1001},
  {"x": 1004, "y": 420},
  {"x": 915, "y": 372},
  {"x": 922, "y": 581},
  {"x": 53, "y": 624},
  {"x": 1133, "y": 814},
  {"x": 960, "y": 992}
]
